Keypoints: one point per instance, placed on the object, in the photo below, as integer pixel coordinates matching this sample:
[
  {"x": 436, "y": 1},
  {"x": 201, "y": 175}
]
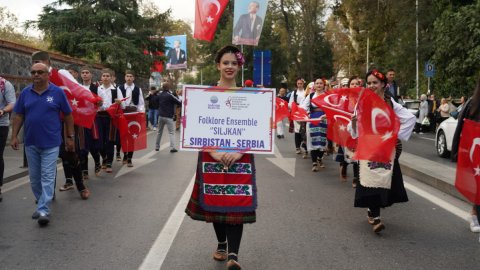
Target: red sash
[{"x": 227, "y": 190}]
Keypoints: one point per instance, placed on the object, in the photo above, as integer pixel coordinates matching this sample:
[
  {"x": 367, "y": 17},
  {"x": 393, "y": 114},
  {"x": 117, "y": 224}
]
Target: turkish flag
[
  {"x": 299, "y": 114},
  {"x": 207, "y": 15},
  {"x": 344, "y": 99},
  {"x": 281, "y": 110},
  {"x": 82, "y": 100},
  {"x": 134, "y": 138},
  {"x": 467, "y": 179},
  {"x": 337, "y": 127},
  {"x": 377, "y": 128}
]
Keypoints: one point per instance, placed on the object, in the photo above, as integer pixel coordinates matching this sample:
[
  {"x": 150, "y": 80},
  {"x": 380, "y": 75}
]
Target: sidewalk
[
  {"x": 432, "y": 173},
  {"x": 13, "y": 164}
]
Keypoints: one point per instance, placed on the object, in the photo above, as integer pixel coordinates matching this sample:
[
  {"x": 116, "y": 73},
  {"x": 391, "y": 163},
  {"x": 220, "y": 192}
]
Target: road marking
[
  {"x": 140, "y": 162},
  {"x": 441, "y": 203},
  {"x": 286, "y": 164},
  {"x": 158, "y": 252},
  {"x": 425, "y": 138}
]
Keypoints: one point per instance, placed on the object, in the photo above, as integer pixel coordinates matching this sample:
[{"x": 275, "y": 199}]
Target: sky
[{"x": 181, "y": 9}]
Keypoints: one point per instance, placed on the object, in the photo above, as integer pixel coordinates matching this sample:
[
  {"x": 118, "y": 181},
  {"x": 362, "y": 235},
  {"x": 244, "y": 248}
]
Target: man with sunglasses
[
  {"x": 71, "y": 161},
  {"x": 39, "y": 106}
]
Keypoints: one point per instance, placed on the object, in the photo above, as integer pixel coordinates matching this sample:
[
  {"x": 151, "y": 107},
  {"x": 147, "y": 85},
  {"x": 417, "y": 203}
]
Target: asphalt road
[
  {"x": 423, "y": 145},
  {"x": 305, "y": 221}
]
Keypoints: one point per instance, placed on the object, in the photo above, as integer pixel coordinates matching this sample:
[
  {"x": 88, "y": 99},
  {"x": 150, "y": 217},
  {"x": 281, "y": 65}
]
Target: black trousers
[
  {"x": 107, "y": 146},
  {"x": 3, "y": 141},
  {"x": 72, "y": 168},
  {"x": 230, "y": 233},
  {"x": 316, "y": 155}
]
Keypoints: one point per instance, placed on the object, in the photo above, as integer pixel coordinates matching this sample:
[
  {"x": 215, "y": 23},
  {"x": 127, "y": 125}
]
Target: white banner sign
[{"x": 228, "y": 119}]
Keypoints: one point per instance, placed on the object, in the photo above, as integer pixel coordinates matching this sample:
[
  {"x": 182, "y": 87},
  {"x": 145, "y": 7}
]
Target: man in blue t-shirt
[{"x": 40, "y": 107}]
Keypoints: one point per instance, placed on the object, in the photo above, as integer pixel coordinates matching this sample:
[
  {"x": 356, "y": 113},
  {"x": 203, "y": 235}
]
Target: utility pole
[{"x": 416, "y": 47}]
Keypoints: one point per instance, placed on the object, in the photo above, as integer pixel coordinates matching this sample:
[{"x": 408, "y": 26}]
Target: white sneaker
[
  {"x": 154, "y": 129},
  {"x": 474, "y": 226}
]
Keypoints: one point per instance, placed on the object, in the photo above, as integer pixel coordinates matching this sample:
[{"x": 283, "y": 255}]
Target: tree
[
  {"x": 9, "y": 30},
  {"x": 457, "y": 49},
  {"x": 111, "y": 32}
]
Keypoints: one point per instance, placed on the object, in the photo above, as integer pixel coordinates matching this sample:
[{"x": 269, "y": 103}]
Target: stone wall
[{"x": 16, "y": 59}]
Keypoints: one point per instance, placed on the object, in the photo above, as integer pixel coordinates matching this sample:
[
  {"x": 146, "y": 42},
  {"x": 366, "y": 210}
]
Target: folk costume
[
  {"x": 107, "y": 132},
  {"x": 133, "y": 103},
  {"x": 92, "y": 142},
  {"x": 316, "y": 134},
  {"x": 381, "y": 184}
]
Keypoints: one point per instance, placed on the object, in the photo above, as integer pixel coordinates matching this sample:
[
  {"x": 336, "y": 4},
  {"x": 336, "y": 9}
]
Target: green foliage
[
  {"x": 113, "y": 33},
  {"x": 457, "y": 50},
  {"x": 10, "y": 31}
]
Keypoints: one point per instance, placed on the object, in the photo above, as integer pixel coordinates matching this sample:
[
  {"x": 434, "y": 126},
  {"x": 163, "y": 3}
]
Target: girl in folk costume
[
  {"x": 316, "y": 133},
  {"x": 344, "y": 154},
  {"x": 371, "y": 192},
  {"x": 229, "y": 212},
  {"x": 471, "y": 111}
]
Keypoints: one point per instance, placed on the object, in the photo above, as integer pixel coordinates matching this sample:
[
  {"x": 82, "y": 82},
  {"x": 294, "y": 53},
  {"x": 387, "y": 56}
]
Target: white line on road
[
  {"x": 441, "y": 203},
  {"x": 158, "y": 252},
  {"x": 425, "y": 138}
]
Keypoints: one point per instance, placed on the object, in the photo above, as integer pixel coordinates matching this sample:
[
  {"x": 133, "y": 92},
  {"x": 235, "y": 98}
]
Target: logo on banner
[{"x": 214, "y": 103}]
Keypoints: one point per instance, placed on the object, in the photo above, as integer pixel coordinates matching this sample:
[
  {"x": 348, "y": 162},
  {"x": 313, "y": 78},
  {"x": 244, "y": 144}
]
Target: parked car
[
  {"x": 412, "y": 105},
  {"x": 444, "y": 135}
]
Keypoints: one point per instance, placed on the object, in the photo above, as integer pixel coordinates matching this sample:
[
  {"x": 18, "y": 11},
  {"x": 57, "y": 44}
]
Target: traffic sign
[
  {"x": 262, "y": 67},
  {"x": 429, "y": 69}
]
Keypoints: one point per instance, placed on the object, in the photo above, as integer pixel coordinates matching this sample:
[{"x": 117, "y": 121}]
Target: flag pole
[{"x": 241, "y": 46}]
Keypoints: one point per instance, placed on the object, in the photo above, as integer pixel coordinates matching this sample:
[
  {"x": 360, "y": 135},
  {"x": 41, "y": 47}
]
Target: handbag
[{"x": 426, "y": 122}]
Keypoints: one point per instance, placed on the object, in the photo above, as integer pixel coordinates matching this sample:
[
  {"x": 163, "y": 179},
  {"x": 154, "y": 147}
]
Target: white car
[
  {"x": 444, "y": 135},
  {"x": 411, "y": 105}
]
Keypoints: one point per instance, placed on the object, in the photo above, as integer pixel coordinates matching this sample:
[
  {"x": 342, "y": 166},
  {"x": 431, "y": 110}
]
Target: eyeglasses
[{"x": 39, "y": 72}]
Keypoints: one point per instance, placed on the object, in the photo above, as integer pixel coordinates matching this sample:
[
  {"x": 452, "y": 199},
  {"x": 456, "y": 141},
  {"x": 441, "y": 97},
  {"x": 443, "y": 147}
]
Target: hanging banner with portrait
[
  {"x": 176, "y": 52},
  {"x": 248, "y": 21},
  {"x": 240, "y": 120}
]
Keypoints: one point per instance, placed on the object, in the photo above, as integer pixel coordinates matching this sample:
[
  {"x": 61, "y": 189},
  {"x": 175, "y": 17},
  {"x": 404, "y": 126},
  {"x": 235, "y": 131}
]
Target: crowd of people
[
  {"x": 50, "y": 131},
  {"x": 46, "y": 112}
]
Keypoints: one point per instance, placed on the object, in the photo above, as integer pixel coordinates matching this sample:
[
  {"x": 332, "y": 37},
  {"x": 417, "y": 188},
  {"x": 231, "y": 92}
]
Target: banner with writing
[{"x": 240, "y": 120}]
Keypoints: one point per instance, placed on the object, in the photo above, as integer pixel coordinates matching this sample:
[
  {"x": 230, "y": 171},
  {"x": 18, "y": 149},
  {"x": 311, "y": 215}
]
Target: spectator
[
  {"x": 39, "y": 106},
  {"x": 392, "y": 85},
  {"x": 444, "y": 110},
  {"x": 7, "y": 101},
  {"x": 153, "y": 107},
  {"x": 422, "y": 114},
  {"x": 166, "y": 111}
]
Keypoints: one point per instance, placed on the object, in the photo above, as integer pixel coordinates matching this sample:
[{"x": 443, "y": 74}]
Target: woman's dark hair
[
  {"x": 224, "y": 50},
  {"x": 353, "y": 78},
  {"x": 379, "y": 75},
  {"x": 475, "y": 107}
]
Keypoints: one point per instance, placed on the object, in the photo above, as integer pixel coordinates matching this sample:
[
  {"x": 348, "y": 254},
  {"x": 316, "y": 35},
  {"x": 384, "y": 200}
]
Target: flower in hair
[
  {"x": 378, "y": 74},
  {"x": 240, "y": 58}
]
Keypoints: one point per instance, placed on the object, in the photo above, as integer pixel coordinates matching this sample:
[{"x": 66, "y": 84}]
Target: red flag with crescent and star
[
  {"x": 207, "y": 15},
  {"x": 378, "y": 128},
  {"x": 135, "y": 138},
  {"x": 281, "y": 110},
  {"x": 300, "y": 114},
  {"x": 82, "y": 100},
  {"x": 337, "y": 130},
  {"x": 467, "y": 180},
  {"x": 339, "y": 105}
]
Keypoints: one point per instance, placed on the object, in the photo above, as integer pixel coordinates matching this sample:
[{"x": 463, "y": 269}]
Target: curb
[{"x": 431, "y": 173}]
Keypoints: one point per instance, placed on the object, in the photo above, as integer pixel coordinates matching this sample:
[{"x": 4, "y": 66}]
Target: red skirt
[{"x": 196, "y": 212}]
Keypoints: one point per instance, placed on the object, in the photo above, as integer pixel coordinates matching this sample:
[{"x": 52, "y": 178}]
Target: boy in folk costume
[
  {"x": 107, "y": 133},
  {"x": 134, "y": 103}
]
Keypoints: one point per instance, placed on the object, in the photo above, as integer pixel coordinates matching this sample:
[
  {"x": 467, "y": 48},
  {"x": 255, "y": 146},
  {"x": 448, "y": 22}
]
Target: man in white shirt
[
  {"x": 133, "y": 103},
  {"x": 110, "y": 95},
  {"x": 297, "y": 96}
]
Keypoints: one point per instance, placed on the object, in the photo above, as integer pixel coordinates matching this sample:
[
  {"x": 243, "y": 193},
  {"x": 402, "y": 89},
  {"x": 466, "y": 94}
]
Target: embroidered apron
[{"x": 227, "y": 189}]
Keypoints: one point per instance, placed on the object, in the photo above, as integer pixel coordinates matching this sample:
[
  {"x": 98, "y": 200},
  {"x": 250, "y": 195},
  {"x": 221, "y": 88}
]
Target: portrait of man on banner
[
  {"x": 176, "y": 52},
  {"x": 248, "y": 26}
]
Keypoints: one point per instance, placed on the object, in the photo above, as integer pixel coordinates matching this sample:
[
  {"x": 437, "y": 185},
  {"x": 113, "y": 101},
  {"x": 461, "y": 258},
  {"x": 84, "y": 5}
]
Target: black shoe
[
  {"x": 35, "y": 215},
  {"x": 157, "y": 149},
  {"x": 173, "y": 150},
  {"x": 43, "y": 219},
  {"x": 279, "y": 136}
]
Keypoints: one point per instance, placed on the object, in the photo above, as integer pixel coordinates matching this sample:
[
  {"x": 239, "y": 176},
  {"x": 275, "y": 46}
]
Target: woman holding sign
[
  {"x": 231, "y": 172},
  {"x": 381, "y": 183}
]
